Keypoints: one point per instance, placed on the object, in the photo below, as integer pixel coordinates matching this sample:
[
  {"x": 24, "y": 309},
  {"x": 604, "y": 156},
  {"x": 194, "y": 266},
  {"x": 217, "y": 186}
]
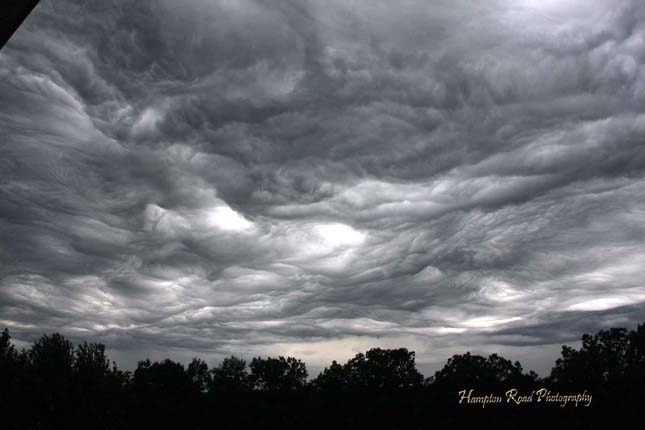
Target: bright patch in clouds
[
  {"x": 605, "y": 303},
  {"x": 148, "y": 121},
  {"x": 337, "y": 235},
  {"x": 227, "y": 219},
  {"x": 488, "y": 322}
]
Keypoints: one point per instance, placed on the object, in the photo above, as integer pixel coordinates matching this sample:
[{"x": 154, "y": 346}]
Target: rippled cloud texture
[{"x": 315, "y": 178}]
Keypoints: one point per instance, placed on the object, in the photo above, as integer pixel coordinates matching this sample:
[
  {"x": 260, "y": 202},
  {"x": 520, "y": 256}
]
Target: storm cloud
[{"x": 315, "y": 178}]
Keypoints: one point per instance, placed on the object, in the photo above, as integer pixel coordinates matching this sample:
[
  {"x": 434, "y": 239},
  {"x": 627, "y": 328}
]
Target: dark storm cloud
[{"x": 316, "y": 178}]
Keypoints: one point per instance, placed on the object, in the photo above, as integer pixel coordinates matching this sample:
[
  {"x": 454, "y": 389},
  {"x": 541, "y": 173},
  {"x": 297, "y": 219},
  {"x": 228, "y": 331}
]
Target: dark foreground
[{"x": 54, "y": 385}]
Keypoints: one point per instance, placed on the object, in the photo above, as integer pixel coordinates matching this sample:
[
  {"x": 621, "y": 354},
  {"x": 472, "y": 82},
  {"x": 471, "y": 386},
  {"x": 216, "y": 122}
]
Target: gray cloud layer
[{"x": 315, "y": 178}]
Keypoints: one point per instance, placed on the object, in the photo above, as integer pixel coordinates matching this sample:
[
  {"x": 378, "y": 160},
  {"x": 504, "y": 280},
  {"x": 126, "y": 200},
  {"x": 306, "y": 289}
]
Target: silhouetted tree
[
  {"x": 230, "y": 376},
  {"x": 384, "y": 369},
  {"x": 490, "y": 373},
  {"x": 635, "y": 353},
  {"x": 377, "y": 369},
  {"x": 49, "y": 378},
  {"x": 332, "y": 378},
  {"x": 10, "y": 365},
  {"x": 164, "y": 394},
  {"x": 609, "y": 364},
  {"x": 377, "y": 388},
  {"x": 277, "y": 374},
  {"x": 199, "y": 375},
  {"x": 7, "y": 350},
  {"x": 97, "y": 387},
  {"x": 90, "y": 361},
  {"x": 52, "y": 356},
  {"x": 602, "y": 357},
  {"x": 634, "y": 373}
]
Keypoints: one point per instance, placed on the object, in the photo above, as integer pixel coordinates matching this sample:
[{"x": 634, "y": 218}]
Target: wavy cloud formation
[{"x": 315, "y": 178}]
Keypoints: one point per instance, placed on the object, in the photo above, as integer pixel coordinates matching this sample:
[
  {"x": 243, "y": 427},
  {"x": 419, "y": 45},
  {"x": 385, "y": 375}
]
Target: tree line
[{"x": 56, "y": 385}]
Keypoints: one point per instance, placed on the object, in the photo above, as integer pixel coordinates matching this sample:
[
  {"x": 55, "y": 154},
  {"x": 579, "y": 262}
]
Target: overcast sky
[{"x": 315, "y": 178}]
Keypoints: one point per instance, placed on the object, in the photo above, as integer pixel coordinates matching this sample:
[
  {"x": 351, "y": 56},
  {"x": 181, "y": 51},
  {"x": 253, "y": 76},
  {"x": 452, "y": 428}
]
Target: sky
[{"x": 316, "y": 178}]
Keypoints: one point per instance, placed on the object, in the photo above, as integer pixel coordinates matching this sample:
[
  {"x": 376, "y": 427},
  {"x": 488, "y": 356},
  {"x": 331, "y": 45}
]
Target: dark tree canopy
[
  {"x": 466, "y": 370},
  {"x": 90, "y": 360},
  {"x": 277, "y": 374},
  {"x": 198, "y": 374},
  {"x": 166, "y": 376},
  {"x": 230, "y": 376},
  {"x": 377, "y": 369},
  {"x": 608, "y": 356},
  {"x": 54, "y": 385},
  {"x": 7, "y": 350},
  {"x": 52, "y": 355}
]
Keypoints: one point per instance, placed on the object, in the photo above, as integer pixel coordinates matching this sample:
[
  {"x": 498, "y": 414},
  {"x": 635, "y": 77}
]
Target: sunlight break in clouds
[
  {"x": 227, "y": 219},
  {"x": 332, "y": 236}
]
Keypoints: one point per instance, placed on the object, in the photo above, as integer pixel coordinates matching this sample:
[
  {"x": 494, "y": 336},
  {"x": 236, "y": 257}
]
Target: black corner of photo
[{"x": 12, "y": 14}]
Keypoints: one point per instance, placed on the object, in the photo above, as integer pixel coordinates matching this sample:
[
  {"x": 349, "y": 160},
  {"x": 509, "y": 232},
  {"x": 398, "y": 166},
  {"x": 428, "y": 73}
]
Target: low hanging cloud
[{"x": 316, "y": 178}]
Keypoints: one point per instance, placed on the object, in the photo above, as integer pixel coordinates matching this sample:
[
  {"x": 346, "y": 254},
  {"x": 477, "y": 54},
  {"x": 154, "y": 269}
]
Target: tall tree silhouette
[
  {"x": 602, "y": 358},
  {"x": 230, "y": 377},
  {"x": 97, "y": 387},
  {"x": 375, "y": 388},
  {"x": 377, "y": 369},
  {"x": 49, "y": 379},
  {"x": 611, "y": 365},
  {"x": 464, "y": 371},
  {"x": 278, "y": 374},
  {"x": 10, "y": 388},
  {"x": 164, "y": 394},
  {"x": 199, "y": 375}
]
